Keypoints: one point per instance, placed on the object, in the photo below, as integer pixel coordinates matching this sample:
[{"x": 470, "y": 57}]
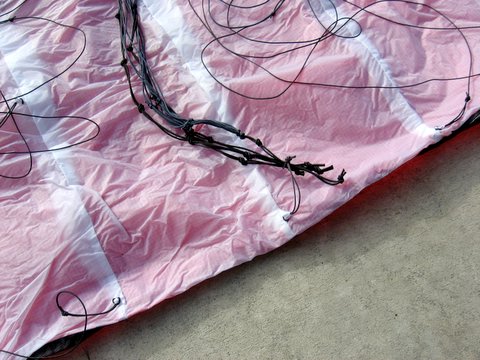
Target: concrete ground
[{"x": 393, "y": 274}]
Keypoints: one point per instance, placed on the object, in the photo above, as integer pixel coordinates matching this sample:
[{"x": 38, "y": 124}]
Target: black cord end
[
  {"x": 287, "y": 217},
  {"x": 123, "y": 63},
  {"x": 328, "y": 168},
  {"x": 116, "y": 301}
]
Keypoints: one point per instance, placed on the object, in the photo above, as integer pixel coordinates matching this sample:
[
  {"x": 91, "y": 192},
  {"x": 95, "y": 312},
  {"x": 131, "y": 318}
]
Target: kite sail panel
[{"x": 147, "y": 146}]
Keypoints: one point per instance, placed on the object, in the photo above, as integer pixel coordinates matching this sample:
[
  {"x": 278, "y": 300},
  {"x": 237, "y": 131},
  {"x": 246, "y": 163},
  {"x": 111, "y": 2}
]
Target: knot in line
[
  {"x": 187, "y": 126},
  {"x": 288, "y": 161}
]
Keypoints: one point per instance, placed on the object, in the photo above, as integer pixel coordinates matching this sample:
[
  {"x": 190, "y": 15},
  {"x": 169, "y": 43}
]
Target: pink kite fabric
[{"x": 135, "y": 214}]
